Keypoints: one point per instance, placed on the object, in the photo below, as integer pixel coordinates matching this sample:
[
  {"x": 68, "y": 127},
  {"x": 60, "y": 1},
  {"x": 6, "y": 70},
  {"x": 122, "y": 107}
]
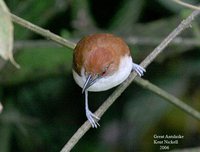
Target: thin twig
[
  {"x": 175, "y": 101},
  {"x": 144, "y": 83},
  {"x": 187, "y": 5},
  {"x": 43, "y": 32},
  {"x": 107, "y": 103},
  {"x": 132, "y": 40},
  {"x": 152, "y": 41},
  {"x": 1, "y": 107},
  {"x": 22, "y": 44},
  {"x": 83, "y": 129}
]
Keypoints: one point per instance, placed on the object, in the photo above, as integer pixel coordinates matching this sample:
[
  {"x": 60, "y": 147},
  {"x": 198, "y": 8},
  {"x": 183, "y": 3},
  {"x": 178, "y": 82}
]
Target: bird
[{"x": 101, "y": 61}]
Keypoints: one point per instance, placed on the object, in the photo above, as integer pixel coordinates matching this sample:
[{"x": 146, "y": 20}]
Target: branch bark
[
  {"x": 133, "y": 40},
  {"x": 1, "y": 107},
  {"x": 43, "y": 32},
  {"x": 187, "y": 5},
  {"x": 108, "y": 102},
  {"x": 170, "y": 98},
  {"x": 103, "y": 108}
]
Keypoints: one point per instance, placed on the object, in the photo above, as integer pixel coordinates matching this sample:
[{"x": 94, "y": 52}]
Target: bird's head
[
  {"x": 100, "y": 56},
  {"x": 100, "y": 63}
]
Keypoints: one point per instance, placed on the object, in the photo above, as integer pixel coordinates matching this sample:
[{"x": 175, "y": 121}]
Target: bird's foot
[
  {"x": 92, "y": 119},
  {"x": 138, "y": 69}
]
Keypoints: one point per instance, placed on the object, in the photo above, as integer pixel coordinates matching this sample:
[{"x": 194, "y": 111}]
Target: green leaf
[{"x": 6, "y": 34}]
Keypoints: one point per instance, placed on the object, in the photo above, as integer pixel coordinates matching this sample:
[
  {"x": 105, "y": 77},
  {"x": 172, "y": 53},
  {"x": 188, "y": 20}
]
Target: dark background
[{"x": 43, "y": 106}]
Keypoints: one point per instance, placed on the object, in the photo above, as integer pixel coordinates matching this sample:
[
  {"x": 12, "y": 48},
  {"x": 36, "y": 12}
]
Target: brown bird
[{"x": 101, "y": 62}]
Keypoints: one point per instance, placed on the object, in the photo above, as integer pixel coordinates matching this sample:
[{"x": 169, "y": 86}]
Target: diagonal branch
[
  {"x": 187, "y": 5},
  {"x": 170, "y": 98},
  {"x": 43, "y": 32},
  {"x": 108, "y": 102},
  {"x": 132, "y": 40},
  {"x": 1, "y": 107},
  {"x": 103, "y": 108}
]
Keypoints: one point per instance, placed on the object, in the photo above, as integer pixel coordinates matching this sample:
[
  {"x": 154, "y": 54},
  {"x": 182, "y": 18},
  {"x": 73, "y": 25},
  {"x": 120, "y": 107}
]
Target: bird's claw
[
  {"x": 138, "y": 69},
  {"x": 92, "y": 119}
]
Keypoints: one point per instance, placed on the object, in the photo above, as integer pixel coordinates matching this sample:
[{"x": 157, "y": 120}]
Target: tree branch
[
  {"x": 170, "y": 98},
  {"x": 183, "y": 41},
  {"x": 144, "y": 83},
  {"x": 85, "y": 127},
  {"x": 1, "y": 107},
  {"x": 43, "y": 32},
  {"x": 187, "y": 5},
  {"x": 35, "y": 44},
  {"x": 107, "y": 103},
  {"x": 132, "y": 40}
]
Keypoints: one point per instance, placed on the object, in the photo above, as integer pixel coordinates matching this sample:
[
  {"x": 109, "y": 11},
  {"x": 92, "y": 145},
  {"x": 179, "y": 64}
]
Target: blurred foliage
[{"x": 43, "y": 106}]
